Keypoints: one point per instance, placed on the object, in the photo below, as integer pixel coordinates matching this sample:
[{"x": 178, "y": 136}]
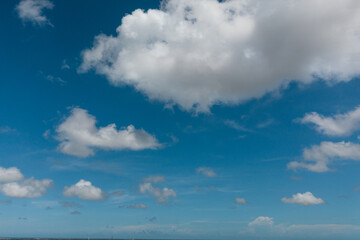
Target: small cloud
[
  {"x": 266, "y": 123},
  {"x": 162, "y": 195},
  {"x": 7, "y": 129},
  {"x": 32, "y": 11},
  {"x": 155, "y": 179},
  {"x": 240, "y": 200},
  {"x": 84, "y": 190},
  {"x": 75, "y": 212},
  {"x": 79, "y": 136},
  {"x": 209, "y": 172},
  {"x": 305, "y": 199},
  {"x": 53, "y": 79},
  {"x": 13, "y": 184},
  {"x": 262, "y": 221},
  {"x": 236, "y": 126},
  {"x": 46, "y": 134},
  {"x": 65, "y": 65}
]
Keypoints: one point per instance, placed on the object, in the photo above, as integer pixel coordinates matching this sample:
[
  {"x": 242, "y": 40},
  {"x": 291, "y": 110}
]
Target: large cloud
[
  {"x": 84, "y": 190},
  {"x": 79, "y": 135},
  {"x": 337, "y": 125},
  {"x": 318, "y": 157},
  {"x": 161, "y": 195},
  {"x": 304, "y": 199},
  {"x": 11, "y": 174},
  {"x": 28, "y": 188},
  {"x": 200, "y": 53},
  {"x": 32, "y": 11}
]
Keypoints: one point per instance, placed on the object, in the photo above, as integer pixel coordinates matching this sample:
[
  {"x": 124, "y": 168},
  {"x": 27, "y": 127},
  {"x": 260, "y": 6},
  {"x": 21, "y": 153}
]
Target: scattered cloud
[
  {"x": 11, "y": 174},
  {"x": 46, "y": 134},
  {"x": 262, "y": 221},
  {"x": 200, "y": 53},
  {"x": 161, "y": 195},
  {"x": 65, "y": 65},
  {"x": 32, "y": 11},
  {"x": 28, "y": 188},
  {"x": 317, "y": 158},
  {"x": 305, "y": 199},
  {"x": 209, "y": 172},
  {"x": 336, "y": 125},
  {"x": 240, "y": 200},
  {"x": 54, "y": 79},
  {"x": 155, "y": 179},
  {"x": 84, "y": 190},
  {"x": 7, "y": 129},
  {"x": 79, "y": 135},
  {"x": 233, "y": 124}
]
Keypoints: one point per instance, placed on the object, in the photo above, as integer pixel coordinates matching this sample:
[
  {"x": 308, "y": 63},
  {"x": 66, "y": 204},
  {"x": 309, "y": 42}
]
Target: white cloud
[
  {"x": 262, "y": 221},
  {"x": 11, "y": 174},
  {"x": 240, "y": 200},
  {"x": 337, "y": 125},
  {"x": 155, "y": 179},
  {"x": 205, "y": 52},
  {"x": 318, "y": 157},
  {"x": 79, "y": 135},
  {"x": 28, "y": 188},
  {"x": 162, "y": 195},
  {"x": 84, "y": 190},
  {"x": 304, "y": 199},
  {"x": 209, "y": 172},
  {"x": 32, "y": 11}
]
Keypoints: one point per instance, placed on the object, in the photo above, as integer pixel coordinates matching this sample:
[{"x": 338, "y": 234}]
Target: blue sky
[{"x": 228, "y": 122}]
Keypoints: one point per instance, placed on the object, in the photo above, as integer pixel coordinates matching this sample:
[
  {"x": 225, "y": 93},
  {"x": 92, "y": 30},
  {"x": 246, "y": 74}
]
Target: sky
[{"x": 180, "y": 119}]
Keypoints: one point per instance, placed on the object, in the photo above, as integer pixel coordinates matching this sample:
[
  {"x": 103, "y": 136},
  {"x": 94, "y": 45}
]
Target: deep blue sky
[{"x": 247, "y": 144}]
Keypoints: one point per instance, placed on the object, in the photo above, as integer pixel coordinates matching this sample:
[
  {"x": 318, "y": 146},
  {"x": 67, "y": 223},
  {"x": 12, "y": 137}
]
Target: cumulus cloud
[
  {"x": 84, "y": 190},
  {"x": 79, "y": 136},
  {"x": 209, "y": 172},
  {"x": 205, "y": 52},
  {"x": 155, "y": 179},
  {"x": 305, "y": 199},
  {"x": 161, "y": 195},
  {"x": 28, "y": 188},
  {"x": 240, "y": 200},
  {"x": 32, "y": 11},
  {"x": 262, "y": 221},
  {"x": 318, "y": 157},
  {"x": 337, "y": 125},
  {"x": 11, "y": 174}
]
